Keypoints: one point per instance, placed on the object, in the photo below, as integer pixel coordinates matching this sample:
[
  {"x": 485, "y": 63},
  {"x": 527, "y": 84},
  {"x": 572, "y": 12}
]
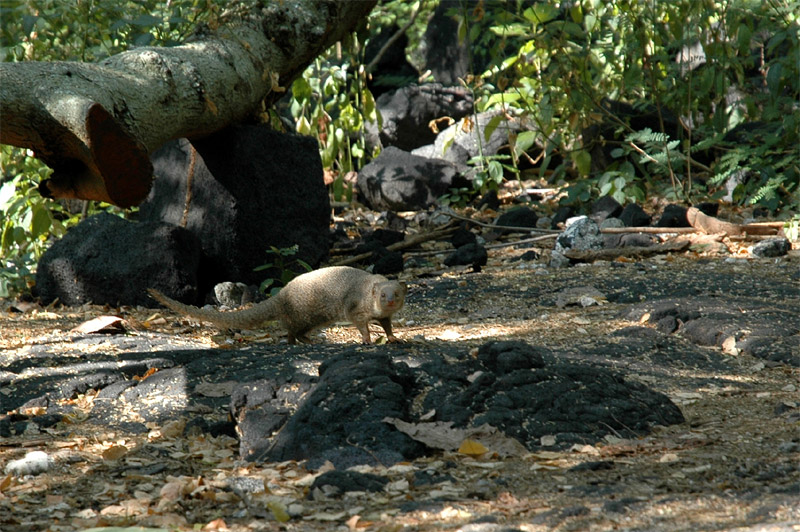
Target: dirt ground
[{"x": 733, "y": 465}]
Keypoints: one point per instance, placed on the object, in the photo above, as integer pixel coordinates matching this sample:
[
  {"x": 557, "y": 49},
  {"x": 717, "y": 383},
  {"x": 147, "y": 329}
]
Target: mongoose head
[{"x": 389, "y": 297}]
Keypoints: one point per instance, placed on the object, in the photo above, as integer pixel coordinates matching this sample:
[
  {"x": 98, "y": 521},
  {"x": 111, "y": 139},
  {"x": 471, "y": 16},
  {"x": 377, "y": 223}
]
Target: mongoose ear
[{"x": 404, "y": 286}]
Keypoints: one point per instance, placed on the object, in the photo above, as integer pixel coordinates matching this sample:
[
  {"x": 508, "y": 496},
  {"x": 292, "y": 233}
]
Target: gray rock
[
  {"x": 407, "y": 112},
  {"x": 558, "y": 260},
  {"x": 518, "y": 217},
  {"x": 611, "y": 223},
  {"x": 581, "y": 233},
  {"x": 232, "y": 294},
  {"x": 606, "y": 207},
  {"x": 773, "y": 247},
  {"x": 634, "y": 216},
  {"x": 399, "y": 181}
]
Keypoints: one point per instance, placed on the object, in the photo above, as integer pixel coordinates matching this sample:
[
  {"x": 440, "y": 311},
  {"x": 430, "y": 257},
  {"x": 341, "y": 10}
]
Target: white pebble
[{"x": 35, "y": 462}]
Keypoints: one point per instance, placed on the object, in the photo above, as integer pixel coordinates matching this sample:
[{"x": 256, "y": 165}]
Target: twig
[
  {"x": 655, "y": 230},
  {"x": 410, "y": 241},
  {"x": 490, "y": 246},
  {"x": 501, "y": 227}
]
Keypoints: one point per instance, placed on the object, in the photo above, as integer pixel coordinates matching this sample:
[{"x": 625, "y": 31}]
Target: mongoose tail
[
  {"x": 314, "y": 300},
  {"x": 252, "y": 318}
]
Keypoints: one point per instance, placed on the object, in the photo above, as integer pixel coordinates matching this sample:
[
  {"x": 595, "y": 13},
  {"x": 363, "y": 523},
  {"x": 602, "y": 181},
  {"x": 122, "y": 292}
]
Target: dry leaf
[
  {"x": 115, "y": 452},
  {"x": 33, "y": 411},
  {"x": 442, "y": 435},
  {"x": 472, "y": 448},
  {"x": 216, "y": 524},
  {"x": 173, "y": 429},
  {"x": 171, "y": 491},
  {"x": 149, "y": 372},
  {"x": 104, "y": 324},
  {"x": 278, "y": 510},
  {"x": 5, "y": 483}
]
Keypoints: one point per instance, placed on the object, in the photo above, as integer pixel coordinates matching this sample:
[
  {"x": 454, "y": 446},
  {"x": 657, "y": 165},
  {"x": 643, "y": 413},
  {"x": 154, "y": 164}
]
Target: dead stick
[
  {"x": 590, "y": 255},
  {"x": 625, "y": 230},
  {"x": 500, "y": 227},
  {"x": 410, "y": 241},
  {"x": 490, "y": 246}
]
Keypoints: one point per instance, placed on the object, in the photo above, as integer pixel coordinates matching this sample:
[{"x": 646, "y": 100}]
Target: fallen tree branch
[
  {"x": 411, "y": 241},
  {"x": 591, "y": 255},
  {"x": 647, "y": 229},
  {"x": 501, "y": 227},
  {"x": 710, "y": 225}
]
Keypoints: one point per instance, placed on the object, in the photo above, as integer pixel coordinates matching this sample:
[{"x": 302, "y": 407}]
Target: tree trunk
[{"x": 96, "y": 123}]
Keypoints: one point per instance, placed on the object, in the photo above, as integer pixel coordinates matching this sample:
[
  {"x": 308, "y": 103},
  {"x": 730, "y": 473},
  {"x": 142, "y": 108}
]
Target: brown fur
[{"x": 311, "y": 301}]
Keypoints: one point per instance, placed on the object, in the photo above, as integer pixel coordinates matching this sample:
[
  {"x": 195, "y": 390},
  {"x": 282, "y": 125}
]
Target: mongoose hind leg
[{"x": 363, "y": 328}]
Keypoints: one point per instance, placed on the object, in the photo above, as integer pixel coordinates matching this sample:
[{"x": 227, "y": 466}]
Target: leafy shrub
[{"x": 561, "y": 64}]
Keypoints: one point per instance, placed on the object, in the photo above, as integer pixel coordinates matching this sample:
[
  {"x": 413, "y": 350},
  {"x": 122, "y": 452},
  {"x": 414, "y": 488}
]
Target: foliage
[
  {"x": 561, "y": 65},
  {"x": 27, "y": 220},
  {"x": 457, "y": 197},
  {"x": 332, "y": 103},
  {"x": 792, "y": 228},
  {"x": 331, "y": 100},
  {"x": 287, "y": 269},
  {"x": 90, "y": 30}
]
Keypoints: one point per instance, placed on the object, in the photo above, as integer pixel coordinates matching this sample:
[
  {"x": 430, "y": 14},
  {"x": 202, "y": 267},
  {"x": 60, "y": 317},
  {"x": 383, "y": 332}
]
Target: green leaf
[
  {"x": 491, "y": 126},
  {"x": 774, "y": 77},
  {"x": 502, "y": 97},
  {"x": 540, "y": 13},
  {"x": 146, "y": 20},
  {"x": 40, "y": 224},
  {"x": 743, "y": 39},
  {"x": 495, "y": 171},
  {"x": 524, "y": 141},
  {"x": 576, "y": 13},
  {"x": 589, "y": 21},
  {"x": 510, "y": 30},
  {"x": 583, "y": 161}
]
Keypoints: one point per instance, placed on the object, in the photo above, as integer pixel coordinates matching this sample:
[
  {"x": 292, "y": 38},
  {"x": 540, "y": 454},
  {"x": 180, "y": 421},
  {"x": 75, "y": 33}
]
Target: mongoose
[{"x": 311, "y": 301}]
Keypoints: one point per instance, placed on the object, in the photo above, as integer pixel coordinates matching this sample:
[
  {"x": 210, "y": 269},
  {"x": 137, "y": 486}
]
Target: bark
[{"x": 96, "y": 123}]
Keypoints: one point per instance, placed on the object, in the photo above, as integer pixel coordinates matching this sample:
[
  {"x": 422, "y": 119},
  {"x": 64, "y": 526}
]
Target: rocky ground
[{"x": 719, "y": 337}]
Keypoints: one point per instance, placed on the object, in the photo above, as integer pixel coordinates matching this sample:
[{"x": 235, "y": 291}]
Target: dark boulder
[
  {"x": 407, "y": 112},
  {"x": 251, "y": 188},
  {"x": 108, "y": 260},
  {"x": 399, "y": 181}
]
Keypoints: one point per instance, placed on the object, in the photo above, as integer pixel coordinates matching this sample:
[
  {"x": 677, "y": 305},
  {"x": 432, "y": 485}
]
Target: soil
[{"x": 734, "y": 464}]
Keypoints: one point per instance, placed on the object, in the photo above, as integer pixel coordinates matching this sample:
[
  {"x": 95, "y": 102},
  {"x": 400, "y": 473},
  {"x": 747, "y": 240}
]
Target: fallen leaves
[
  {"x": 101, "y": 324},
  {"x": 469, "y": 441}
]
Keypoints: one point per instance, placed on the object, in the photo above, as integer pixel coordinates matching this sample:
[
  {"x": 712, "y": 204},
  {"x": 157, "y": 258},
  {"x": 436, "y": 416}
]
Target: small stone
[
  {"x": 582, "y": 233},
  {"x": 232, "y": 294},
  {"x": 773, "y": 247},
  {"x": 471, "y": 254},
  {"x": 558, "y": 260},
  {"x": 35, "y": 462}
]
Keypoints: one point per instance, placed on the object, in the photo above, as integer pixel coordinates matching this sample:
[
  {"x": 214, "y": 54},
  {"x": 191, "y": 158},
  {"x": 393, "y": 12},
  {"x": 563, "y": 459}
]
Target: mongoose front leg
[{"x": 386, "y": 323}]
